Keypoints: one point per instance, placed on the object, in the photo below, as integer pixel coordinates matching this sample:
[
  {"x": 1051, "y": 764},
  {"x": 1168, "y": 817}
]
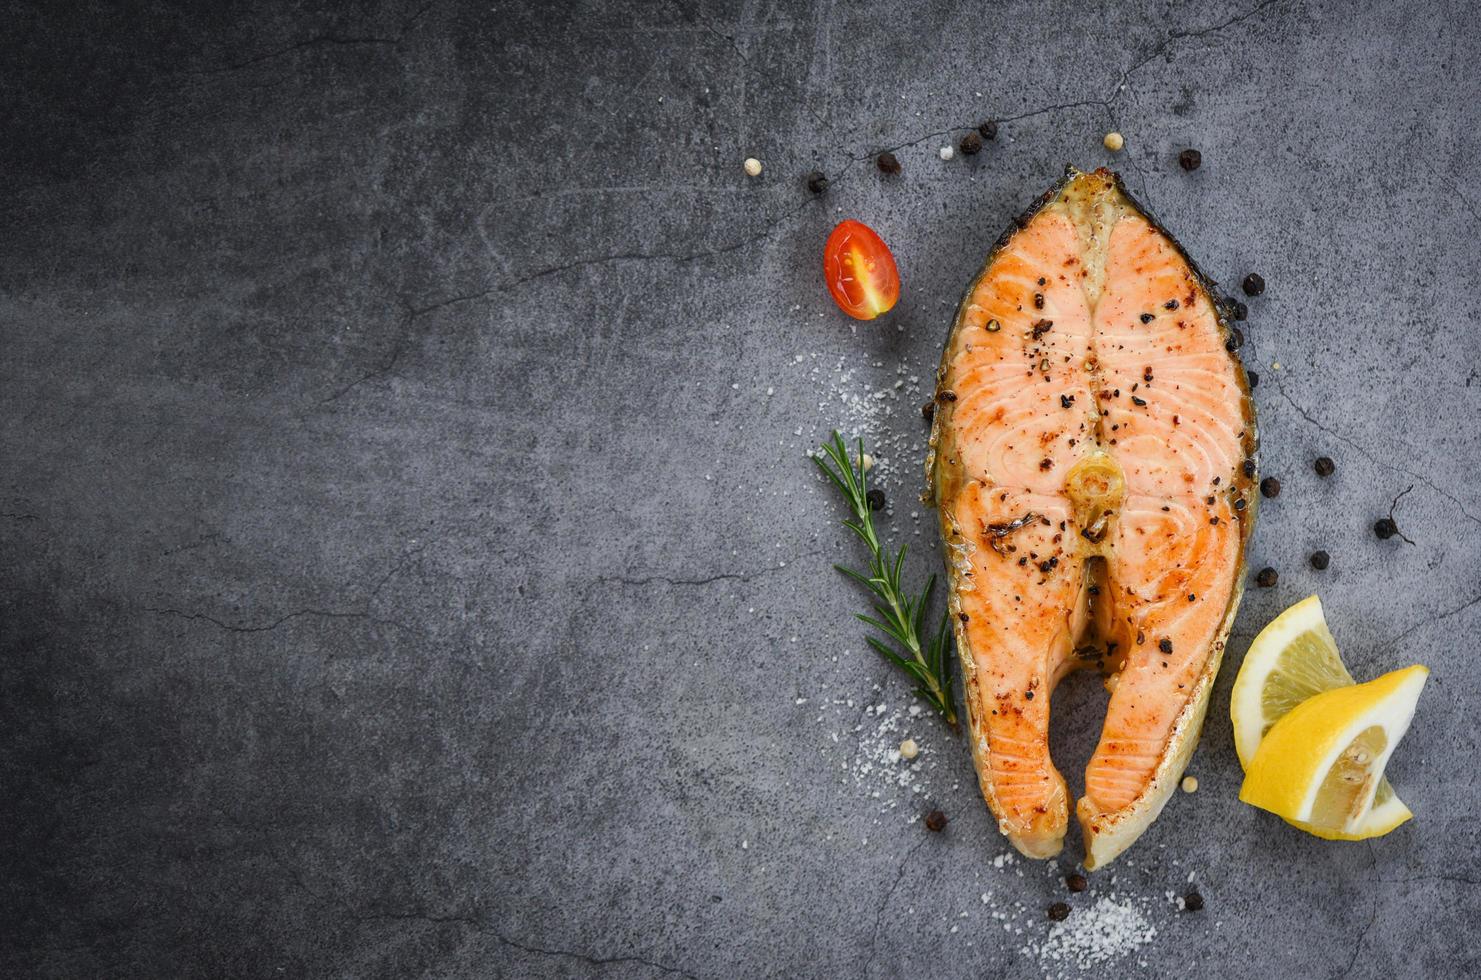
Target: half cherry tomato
[{"x": 860, "y": 271}]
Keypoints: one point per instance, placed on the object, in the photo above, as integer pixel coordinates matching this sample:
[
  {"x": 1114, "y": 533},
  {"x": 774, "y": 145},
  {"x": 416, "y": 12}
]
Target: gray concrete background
[{"x": 411, "y": 565}]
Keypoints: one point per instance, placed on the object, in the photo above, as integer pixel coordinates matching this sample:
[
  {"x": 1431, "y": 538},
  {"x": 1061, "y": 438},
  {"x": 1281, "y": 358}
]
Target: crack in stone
[
  {"x": 1456, "y": 879},
  {"x": 476, "y": 922},
  {"x": 1107, "y": 104},
  {"x": 885, "y": 901},
  {"x": 1394, "y": 506},
  {"x": 1174, "y": 36},
  {"x": 1347, "y": 441},
  {"x": 479, "y": 924},
  {"x": 381, "y": 371},
  {"x": 1432, "y": 620},
  {"x": 1357, "y": 947},
  {"x": 319, "y": 40},
  {"x": 593, "y": 960},
  {"x": 954, "y": 130},
  {"x": 274, "y": 624},
  {"x": 366, "y": 614},
  {"x": 200, "y": 542},
  {"x": 1141, "y": 177},
  {"x": 678, "y": 257},
  {"x": 415, "y": 313},
  {"x": 705, "y": 580},
  {"x": 1450, "y": 186},
  {"x": 327, "y": 39}
]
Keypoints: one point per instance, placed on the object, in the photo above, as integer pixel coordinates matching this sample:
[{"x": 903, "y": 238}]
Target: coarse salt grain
[
  {"x": 753, "y": 167},
  {"x": 1107, "y": 930},
  {"x": 946, "y": 153}
]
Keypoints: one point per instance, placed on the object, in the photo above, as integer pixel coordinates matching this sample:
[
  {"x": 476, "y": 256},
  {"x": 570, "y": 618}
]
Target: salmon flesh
[{"x": 1092, "y": 463}]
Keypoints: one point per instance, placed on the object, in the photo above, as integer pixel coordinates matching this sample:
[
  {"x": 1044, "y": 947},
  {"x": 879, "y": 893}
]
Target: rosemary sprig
[{"x": 921, "y": 654}]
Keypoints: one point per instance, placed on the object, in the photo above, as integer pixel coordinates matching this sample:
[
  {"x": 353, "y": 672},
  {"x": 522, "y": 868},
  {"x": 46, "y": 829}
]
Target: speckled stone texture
[{"x": 411, "y": 566}]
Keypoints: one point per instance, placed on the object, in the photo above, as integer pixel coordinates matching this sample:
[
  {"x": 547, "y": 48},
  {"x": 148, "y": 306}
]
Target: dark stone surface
[{"x": 411, "y": 566}]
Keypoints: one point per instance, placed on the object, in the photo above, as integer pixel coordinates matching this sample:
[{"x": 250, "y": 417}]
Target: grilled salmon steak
[{"x": 1092, "y": 463}]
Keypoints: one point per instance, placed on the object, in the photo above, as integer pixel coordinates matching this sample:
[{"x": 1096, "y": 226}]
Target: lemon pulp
[{"x": 1321, "y": 765}]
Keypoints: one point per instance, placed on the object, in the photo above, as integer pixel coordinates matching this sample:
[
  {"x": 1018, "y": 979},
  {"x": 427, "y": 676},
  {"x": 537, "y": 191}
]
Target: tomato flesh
[{"x": 860, "y": 271}]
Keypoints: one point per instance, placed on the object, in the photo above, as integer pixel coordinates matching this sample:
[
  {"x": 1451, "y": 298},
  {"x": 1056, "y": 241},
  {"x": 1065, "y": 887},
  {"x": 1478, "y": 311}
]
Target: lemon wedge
[
  {"x": 1295, "y": 658},
  {"x": 1291, "y": 660},
  {"x": 1320, "y": 765}
]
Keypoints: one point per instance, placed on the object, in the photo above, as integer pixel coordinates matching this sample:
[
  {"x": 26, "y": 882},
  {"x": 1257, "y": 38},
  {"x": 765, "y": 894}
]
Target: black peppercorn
[
  {"x": 817, "y": 182},
  {"x": 1240, "y": 312},
  {"x": 1270, "y": 487},
  {"x": 1076, "y": 883},
  {"x": 1165, "y": 645},
  {"x": 1235, "y": 341},
  {"x": 988, "y": 130},
  {"x": 971, "y": 144},
  {"x": 1266, "y": 577},
  {"x": 1254, "y": 379},
  {"x": 1190, "y": 159},
  {"x": 1059, "y": 911},
  {"x": 876, "y": 499},
  {"x": 1385, "y": 528},
  {"x": 1148, "y": 317},
  {"x": 1193, "y": 902},
  {"x": 1324, "y": 466},
  {"x": 1249, "y": 467},
  {"x": 888, "y": 163},
  {"x": 928, "y": 410},
  {"x": 936, "y": 821},
  {"x": 1320, "y": 560},
  {"x": 1253, "y": 285}
]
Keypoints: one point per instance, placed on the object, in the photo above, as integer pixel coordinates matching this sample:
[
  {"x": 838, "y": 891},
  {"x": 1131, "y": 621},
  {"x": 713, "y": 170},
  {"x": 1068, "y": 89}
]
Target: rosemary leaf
[{"x": 900, "y": 616}]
